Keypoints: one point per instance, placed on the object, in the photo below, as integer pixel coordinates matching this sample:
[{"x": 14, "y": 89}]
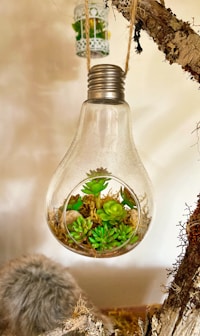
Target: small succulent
[
  {"x": 112, "y": 212},
  {"x": 75, "y": 203},
  {"x": 98, "y": 172},
  {"x": 134, "y": 239},
  {"x": 103, "y": 238},
  {"x": 80, "y": 228},
  {"x": 124, "y": 232},
  {"x": 127, "y": 198},
  {"x": 106, "y": 237},
  {"x": 95, "y": 186}
]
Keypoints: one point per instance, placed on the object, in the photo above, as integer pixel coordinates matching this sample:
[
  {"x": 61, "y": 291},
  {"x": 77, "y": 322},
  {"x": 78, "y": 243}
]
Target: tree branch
[
  {"x": 180, "y": 312},
  {"x": 174, "y": 37}
]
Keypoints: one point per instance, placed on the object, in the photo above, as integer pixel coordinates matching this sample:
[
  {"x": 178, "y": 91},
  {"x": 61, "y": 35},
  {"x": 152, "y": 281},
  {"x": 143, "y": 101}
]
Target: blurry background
[{"x": 42, "y": 87}]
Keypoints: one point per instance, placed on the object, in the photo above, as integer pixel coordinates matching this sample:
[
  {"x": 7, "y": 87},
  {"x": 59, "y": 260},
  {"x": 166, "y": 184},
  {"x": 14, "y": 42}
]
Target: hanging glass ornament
[
  {"x": 99, "y": 201},
  {"x": 98, "y": 29}
]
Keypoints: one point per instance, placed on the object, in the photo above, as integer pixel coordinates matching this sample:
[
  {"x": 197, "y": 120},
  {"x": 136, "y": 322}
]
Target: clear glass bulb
[{"x": 99, "y": 201}]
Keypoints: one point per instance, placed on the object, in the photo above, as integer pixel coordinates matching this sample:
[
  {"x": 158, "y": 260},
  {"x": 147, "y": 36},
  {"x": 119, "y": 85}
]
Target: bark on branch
[
  {"x": 175, "y": 38},
  {"x": 180, "y": 312}
]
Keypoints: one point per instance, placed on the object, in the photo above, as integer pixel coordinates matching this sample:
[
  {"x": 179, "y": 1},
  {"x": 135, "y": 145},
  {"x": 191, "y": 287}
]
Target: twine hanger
[{"x": 133, "y": 11}]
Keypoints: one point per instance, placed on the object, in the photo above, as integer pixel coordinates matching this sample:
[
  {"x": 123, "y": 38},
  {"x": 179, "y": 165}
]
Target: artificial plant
[{"x": 102, "y": 221}]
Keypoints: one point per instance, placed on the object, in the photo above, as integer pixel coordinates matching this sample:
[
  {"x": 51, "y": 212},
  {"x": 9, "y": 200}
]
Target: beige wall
[{"x": 42, "y": 87}]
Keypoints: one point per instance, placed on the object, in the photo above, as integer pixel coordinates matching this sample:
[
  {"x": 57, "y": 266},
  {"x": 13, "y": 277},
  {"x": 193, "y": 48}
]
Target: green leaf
[
  {"x": 95, "y": 186},
  {"x": 75, "y": 203},
  {"x": 128, "y": 199}
]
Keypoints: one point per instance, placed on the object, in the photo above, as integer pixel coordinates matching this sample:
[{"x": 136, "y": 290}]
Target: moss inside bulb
[{"x": 100, "y": 217}]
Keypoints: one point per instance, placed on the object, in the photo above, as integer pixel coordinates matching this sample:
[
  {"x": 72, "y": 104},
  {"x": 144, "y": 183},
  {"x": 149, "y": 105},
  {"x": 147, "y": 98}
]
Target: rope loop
[{"x": 133, "y": 12}]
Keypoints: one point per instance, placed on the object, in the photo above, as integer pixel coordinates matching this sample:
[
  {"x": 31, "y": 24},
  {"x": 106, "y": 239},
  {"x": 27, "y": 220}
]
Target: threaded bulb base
[{"x": 106, "y": 81}]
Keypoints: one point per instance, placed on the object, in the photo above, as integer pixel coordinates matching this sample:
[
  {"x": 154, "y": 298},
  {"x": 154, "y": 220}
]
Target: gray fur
[{"x": 36, "y": 295}]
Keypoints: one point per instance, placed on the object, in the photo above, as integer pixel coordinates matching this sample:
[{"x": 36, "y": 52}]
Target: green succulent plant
[
  {"x": 134, "y": 239},
  {"x": 75, "y": 203},
  {"x": 127, "y": 198},
  {"x": 95, "y": 186},
  {"x": 106, "y": 237},
  {"x": 80, "y": 228},
  {"x": 103, "y": 238},
  {"x": 124, "y": 232},
  {"x": 112, "y": 212}
]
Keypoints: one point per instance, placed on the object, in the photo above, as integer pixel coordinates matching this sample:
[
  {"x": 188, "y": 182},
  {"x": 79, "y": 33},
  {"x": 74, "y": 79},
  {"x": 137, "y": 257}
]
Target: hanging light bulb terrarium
[{"x": 99, "y": 201}]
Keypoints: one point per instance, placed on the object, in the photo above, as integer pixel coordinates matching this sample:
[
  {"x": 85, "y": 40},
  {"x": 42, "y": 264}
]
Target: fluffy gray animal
[{"x": 36, "y": 295}]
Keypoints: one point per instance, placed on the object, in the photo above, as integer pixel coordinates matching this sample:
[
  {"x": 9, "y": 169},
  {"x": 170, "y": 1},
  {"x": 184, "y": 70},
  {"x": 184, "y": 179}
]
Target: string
[
  {"x": 87, "y": 34},
  {"x": 133, "y": 11}
]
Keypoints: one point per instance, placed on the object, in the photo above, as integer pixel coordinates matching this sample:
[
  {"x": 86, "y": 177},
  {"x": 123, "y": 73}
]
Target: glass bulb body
[{"x": 99, "y": 201}]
